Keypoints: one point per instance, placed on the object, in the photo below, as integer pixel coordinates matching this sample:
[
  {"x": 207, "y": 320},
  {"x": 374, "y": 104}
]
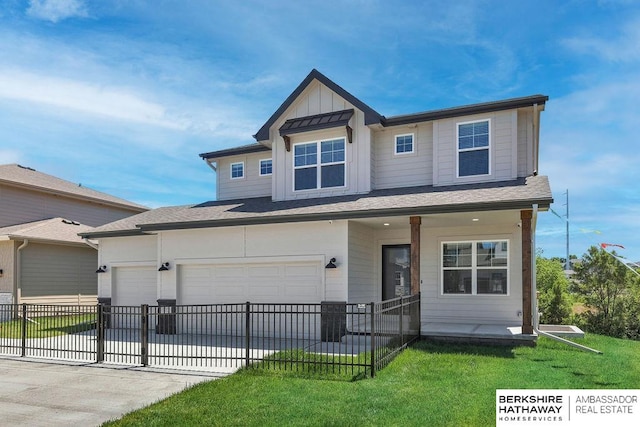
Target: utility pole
[{"x": 567, "y": 265}]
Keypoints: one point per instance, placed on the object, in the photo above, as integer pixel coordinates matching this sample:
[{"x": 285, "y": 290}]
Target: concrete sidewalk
[{"x": 35, "y": 392}]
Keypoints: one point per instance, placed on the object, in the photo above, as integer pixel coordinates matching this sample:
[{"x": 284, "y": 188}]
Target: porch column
[
  {"x": 415, "y": 222},
  {"x": 527, "y": 274}
]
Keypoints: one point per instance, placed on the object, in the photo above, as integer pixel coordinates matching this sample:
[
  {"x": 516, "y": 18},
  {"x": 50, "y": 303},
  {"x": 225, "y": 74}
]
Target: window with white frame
[
  {"x": 266, "y": 167},
  {"x": 319, "y": 164},
  {"x": 237, "y": 170},
  {"x": 475, "y": 267},
  {"x": 473, "y": 148},
  {"x": 404, "y": 144}
]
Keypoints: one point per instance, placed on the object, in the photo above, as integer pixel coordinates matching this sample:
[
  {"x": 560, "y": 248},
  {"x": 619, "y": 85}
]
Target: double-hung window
[
  {"x": 266, "y": 167},
  {"x": 404, "y": 144},
  {"x": 319, "y": 164},
  {"x": 475, "y": 267},
  {"x": 237, "y": 170},
  {"x": 473, "y": 148}
]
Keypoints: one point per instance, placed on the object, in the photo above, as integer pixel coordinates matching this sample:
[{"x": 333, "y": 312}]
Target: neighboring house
[
  {"x": 42, "y": 258},
  {"x": 441, "y": 202}
]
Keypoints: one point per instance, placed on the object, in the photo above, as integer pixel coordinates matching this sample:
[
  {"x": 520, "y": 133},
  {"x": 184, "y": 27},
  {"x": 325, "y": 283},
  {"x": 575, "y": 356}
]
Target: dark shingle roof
[
  {"x": 16, "y": 175},
  {"x": 517, "y": 194},
  {"x": 245, "y": 149}
]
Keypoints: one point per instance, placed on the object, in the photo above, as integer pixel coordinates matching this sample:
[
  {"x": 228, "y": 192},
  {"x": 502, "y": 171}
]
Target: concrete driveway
[{"x": 36, "y": 392}]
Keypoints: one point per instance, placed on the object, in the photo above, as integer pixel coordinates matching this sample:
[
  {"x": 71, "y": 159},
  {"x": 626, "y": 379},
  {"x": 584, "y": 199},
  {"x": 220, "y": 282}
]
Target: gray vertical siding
[{"x": 362, "y": 277}]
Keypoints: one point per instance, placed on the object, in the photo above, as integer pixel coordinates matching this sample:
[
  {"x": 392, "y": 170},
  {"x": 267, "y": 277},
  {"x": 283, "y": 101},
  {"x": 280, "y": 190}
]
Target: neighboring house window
[
  {"x": 404, "y": 144},
  {"x": 475, "y": 267},
  {"x": 266, "y": 167},
  {"x": 237, "y": 170},
  {"x": 319, "y": 164},
  {"x": 473, "y": 148}
]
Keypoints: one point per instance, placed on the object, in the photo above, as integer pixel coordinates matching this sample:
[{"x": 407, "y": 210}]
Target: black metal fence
[{"x": 330, "y": 337}]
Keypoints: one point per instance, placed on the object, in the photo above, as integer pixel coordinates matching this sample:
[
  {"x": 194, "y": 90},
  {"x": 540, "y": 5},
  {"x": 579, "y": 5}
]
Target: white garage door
[
  {"x": 291, "y": 282},
  {"x": 134, "y": 286}
]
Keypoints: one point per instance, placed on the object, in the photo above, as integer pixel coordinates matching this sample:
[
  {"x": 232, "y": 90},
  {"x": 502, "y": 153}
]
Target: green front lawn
[
  {"x": 49, "y": 326},
  {"x": 427, "y": 385}
]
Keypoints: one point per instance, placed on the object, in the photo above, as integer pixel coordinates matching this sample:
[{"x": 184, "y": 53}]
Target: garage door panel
[{"x": 132, "y": 286}]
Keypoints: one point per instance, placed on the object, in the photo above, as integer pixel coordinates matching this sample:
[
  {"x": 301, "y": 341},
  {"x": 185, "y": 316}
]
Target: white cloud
[
  {"x": 9, "y": 156},
  {"x": 624, "y": 48},
  {"x": 84, "y": 97},
  {"x": 56, "y": 10}
]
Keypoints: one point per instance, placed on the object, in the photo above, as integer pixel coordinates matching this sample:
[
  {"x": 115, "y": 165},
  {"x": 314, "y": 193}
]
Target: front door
[{"x": 396, "y": 271}]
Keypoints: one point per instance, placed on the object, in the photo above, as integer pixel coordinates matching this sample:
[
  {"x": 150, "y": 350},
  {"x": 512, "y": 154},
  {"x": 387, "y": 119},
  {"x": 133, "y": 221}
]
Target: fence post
[
  {"x": 247, "y": 333},
  {"x": 401, "y": 312},
  {"x": 373, "y": 340},
  {"x": 24, "y": 330},
  {"x": 144, "y": 335},
  {"x": 100, "y": 335}
]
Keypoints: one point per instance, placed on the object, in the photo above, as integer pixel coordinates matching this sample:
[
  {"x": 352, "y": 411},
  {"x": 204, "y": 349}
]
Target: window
[
  {"x": 309, "y": 174},
  {"x": 475, "y": 268},
  {"x": 266, "y": 167},
  {"x": 404, "y": 144},
  {"x": 237, "y": 170},
  {"x": 473, "y": 148}
]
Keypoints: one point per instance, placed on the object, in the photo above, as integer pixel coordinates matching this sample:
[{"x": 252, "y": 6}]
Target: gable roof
[
  {"x": 517, "y": 194},
  {"x": 54, "y": 230},
  {"x": 25, "y": 177},
  {"x": 370, "y": 115}
]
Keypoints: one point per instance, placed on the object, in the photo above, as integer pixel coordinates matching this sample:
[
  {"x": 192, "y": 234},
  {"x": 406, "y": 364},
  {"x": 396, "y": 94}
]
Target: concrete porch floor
[{"x": 476, "y": 332}]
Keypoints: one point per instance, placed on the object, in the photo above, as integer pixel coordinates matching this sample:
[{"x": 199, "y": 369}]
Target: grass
[
  {"x": 49, "y": 326},
  {"x": 428, "y": 384}
]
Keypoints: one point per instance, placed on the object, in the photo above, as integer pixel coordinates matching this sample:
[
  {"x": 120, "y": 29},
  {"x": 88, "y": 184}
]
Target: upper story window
[
  {"x": 475, "y": 267},
  {"x": 319, "y": 164},
  {"x": 266, "y": 167},
  {"x": 473, "y": 148},
  {"x": 237, "y": 170},
  {"x": 404, "y": 144}
]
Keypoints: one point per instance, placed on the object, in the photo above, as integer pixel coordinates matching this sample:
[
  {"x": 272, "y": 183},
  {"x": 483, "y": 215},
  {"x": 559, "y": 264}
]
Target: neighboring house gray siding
[
  {"x": 6, "y": 264},
  {"x": 251, "y": 185},
  {"x": 361, "y": 263},
  {"x": 57, "y": 270},
  {"x": 22, "y": 205}
]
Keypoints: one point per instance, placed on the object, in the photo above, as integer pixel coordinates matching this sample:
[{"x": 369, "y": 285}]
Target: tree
[
  {"x": 554, "y": 303},
  {"x": 607, "y": 287}
]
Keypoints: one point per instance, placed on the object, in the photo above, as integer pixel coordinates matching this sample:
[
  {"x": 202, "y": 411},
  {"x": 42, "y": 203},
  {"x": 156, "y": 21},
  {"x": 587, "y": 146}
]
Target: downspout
[
  {"x": 536, "y": 316},
  {"x": 18, "y": 275}
]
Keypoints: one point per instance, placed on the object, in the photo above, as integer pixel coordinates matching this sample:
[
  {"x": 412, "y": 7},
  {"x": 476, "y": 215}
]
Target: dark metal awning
[{"x": 316, "y": 122}]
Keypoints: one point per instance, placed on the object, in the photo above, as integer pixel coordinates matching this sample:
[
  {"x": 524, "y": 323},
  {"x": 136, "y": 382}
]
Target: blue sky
[{"x": 122, "y": 95}]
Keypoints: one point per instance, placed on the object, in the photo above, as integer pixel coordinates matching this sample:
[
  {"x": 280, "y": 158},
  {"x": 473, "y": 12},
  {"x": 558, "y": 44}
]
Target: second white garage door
[{"x": 289, "y": 282}]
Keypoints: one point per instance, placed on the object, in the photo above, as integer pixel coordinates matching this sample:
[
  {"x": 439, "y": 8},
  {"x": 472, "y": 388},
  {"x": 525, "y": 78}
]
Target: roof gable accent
[
  {"x": 370, "y": 115},
  {"x": 485, "y": 107},
  {"x": 245, "y": 149},
  {"x": 316, "y": 122}
]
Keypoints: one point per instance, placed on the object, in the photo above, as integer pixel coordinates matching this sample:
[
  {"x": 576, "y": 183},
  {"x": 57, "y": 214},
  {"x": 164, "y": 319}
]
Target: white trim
[
  {"x": 474, "y": 267},
  {"x": 395, "y": 144},
  {"x": 318, "y": 165},
  {"x": 260, "y": 167},
  {"x": 458, "y": 151},
  {"x": 231, "y": 170}
]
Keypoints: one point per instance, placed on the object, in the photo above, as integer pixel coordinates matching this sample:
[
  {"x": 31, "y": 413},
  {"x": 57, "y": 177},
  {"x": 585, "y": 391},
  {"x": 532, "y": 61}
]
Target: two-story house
[
  {"x": 42, "y": 258},
  {"x": 336, "y": 202}
]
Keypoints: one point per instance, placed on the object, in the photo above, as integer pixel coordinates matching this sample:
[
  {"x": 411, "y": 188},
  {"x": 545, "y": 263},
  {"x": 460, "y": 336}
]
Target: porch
[{"x": 478, "y": 333}]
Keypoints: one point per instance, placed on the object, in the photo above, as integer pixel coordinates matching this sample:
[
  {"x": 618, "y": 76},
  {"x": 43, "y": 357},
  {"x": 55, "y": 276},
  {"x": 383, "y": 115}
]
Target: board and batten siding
[
  {"x": 362, "y": 277},
  {"x": 317, "y": 99},
  {"x": 403, "y": 170},
  {"x": 489, "y": 309},
  {"x": 19, "y": 206},
  {"x": 57, "y": 270},
  {"x": 251, "y": 185},
  {"x": 503, "y": 146}
]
